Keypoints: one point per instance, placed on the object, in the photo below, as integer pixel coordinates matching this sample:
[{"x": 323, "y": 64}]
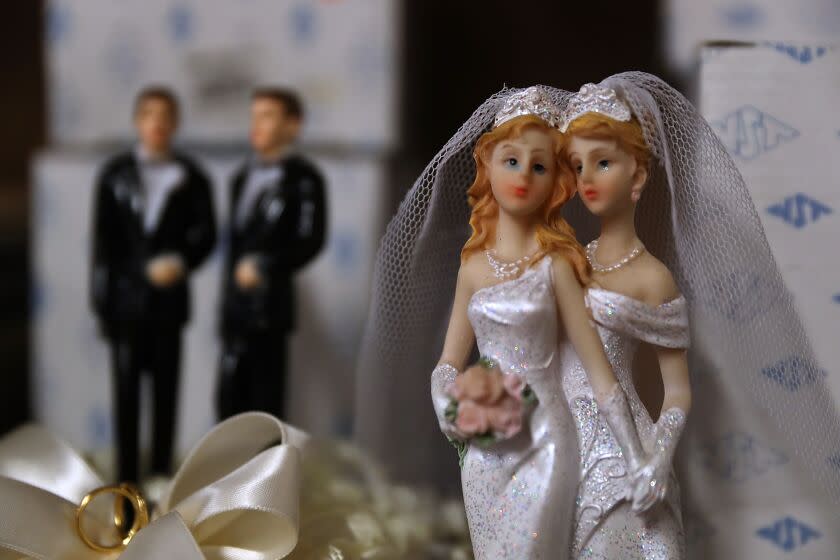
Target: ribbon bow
[{"x": 236, "y": 497}]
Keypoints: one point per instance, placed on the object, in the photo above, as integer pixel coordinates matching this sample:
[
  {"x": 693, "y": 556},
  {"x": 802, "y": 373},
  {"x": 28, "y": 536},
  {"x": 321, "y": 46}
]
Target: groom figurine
[
  {"x": 153, "y": 225},
  {"x": 276, "y": 226}
]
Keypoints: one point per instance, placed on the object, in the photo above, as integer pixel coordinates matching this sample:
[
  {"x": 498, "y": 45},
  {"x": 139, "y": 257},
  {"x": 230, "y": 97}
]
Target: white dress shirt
[{"x": 159, "y": 177}]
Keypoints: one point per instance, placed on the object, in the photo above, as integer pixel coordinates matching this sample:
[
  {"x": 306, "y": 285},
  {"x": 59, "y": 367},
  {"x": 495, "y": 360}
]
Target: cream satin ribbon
[{"x": 236, "y": 497}]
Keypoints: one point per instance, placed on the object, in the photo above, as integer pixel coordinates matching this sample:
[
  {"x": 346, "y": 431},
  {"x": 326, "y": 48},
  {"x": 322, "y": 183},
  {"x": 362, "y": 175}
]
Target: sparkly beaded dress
[
  {"x": 519, "y": 493},
  {"x": 605, "y": 528}
]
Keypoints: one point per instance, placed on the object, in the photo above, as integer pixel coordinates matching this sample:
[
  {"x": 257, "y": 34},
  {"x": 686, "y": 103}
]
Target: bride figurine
[
  {"x": 633, "y": 298},
  {"x": 679, "y": 233}
]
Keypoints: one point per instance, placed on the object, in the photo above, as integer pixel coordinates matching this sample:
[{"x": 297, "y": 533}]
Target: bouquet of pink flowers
[{"x": 487, "y": 405}]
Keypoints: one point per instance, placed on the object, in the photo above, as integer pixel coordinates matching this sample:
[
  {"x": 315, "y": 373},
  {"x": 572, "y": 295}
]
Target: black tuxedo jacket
[
  {"x": 120, "y": 290},
  {"x": 285, "y": 231}
]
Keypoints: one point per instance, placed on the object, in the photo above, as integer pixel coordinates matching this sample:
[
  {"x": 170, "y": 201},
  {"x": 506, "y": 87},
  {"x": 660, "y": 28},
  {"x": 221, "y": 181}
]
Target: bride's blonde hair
[
  {"x": 554, "y": 234},
  {"x": 628, "y": 135}
]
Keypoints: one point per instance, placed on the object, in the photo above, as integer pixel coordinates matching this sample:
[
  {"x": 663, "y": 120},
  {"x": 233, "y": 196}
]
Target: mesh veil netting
[{"x": 750, "y": 357}]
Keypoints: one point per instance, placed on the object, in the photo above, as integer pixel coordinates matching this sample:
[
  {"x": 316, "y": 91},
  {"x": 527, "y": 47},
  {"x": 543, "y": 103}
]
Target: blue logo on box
[
  {"x": 58, "y": 23},
  {"x": 180, "y": 23},
  {"x": 794, "y": 372},
  {"x": 303, "y": 23},
  {"x": 799, "y": 210},
  {"x": 743, "y": 16},
  {"x": 788, "y": 533},
  {"x": 801, "y": 54},
  {"x": 99, "y": 425},
  {"x": 738, "y": 456},
  {"x": 346, "y": 250},
  {"x": 748, "y": 132},
  {"x": 123, "y": 62}
]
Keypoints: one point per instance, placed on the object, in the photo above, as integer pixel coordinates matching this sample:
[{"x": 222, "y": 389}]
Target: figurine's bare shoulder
[
  {"x": 473, "y": 271},
  {"x": 562, "y": 271},
  {"x": 656, "y": 281}
]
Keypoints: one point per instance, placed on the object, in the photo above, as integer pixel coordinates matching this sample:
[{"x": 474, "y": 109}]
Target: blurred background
[{"x": 385, "y": 83}]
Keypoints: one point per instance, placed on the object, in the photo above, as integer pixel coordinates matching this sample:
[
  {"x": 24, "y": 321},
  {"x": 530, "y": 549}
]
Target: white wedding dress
[
  {"x": 605, "y": 528},
  {"x": 520, "y": 493}
]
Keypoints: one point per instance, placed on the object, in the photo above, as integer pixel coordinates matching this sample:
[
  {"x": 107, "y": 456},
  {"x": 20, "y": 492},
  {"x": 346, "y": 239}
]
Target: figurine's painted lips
[
  {"x": 521, "y": 192},
  {"x": 590, "y": 194}
]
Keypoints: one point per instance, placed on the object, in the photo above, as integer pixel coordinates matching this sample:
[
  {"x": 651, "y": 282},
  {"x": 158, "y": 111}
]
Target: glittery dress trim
[
  {"x": 621, "y": 322},
  {"x": 519, "y": 493},
  {"x": 442, "y": 377},
  {"x": 664, "y": 325}
]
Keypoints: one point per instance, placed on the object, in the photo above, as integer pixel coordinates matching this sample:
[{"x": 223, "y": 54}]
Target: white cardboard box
[
  {"x": 342, "y": 56},
  {"x": 687, "y": 24},
  {"x": 775, "y": 110}
]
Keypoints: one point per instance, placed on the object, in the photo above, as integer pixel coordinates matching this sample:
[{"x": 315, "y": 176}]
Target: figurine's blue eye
[
  {"x": 604, "y": 164},
  {"x": 511, "y": 162},
  {"x": 578, "y": 169},
  {"x": 539, "y": 168}
]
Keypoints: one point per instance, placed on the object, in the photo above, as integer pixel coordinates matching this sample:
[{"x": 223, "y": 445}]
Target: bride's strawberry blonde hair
[
  {"x": 554, "y": 234},
  {"x": 628, "y": 135}
]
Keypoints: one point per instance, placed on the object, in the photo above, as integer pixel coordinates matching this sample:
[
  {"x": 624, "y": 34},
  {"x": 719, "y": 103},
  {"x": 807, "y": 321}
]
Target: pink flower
[
  {"x": 495, "y": 386},
  {"x": 479, "y": 385},
  {"x": 505, "y": 421},
  {"x": 471, "y": 385},
  {"x": 512, "y": 425},
  {"x": 511, "y": 404},
  {"x": 506, "y": 416},
  {"x": 514, "y": 385},
  {"x": 472, "y": 419}
]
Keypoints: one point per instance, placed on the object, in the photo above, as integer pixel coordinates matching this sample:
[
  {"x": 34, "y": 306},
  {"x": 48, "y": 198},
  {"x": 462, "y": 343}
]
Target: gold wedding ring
[{"x": 122, "y": 492}]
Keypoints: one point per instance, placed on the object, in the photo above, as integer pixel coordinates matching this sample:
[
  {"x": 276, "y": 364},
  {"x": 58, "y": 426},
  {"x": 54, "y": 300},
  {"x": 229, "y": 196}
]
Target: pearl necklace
[
  {"x": 590, "y": 256},
  {"x": 503, "y": 269}
]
